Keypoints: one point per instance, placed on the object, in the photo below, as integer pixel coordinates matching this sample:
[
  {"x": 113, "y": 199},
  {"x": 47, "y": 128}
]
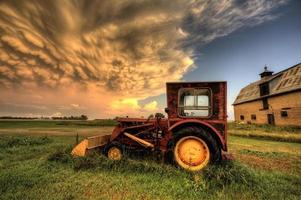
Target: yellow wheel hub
[
  {"x": 192, "y": 153},
  {"x": 114, "y": 153}
]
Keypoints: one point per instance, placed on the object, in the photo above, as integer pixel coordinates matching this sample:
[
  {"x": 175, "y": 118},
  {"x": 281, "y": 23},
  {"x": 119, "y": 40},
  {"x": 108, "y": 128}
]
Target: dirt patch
[{"x": 283, "y": 164}]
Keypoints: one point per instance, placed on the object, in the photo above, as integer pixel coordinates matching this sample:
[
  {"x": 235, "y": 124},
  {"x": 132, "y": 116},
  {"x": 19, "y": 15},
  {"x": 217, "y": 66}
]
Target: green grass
[
  {"x": 272, "y": 154},
  {"x": 267, "y": 132},
  {"x": 5, "y": 124},
  {"x": 52, "y": 127},
  {"x": 283, "y": 157},
  {"x": 264, "y": 128},
  {"x": 11, "y": 141},
  {"x": 39, "y": 166},
  {"x": 42, "y": 168}
]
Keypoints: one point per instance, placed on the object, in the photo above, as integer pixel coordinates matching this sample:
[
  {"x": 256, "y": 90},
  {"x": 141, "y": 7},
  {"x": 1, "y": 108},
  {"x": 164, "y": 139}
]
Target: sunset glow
[{"x": 105, "y": 58}]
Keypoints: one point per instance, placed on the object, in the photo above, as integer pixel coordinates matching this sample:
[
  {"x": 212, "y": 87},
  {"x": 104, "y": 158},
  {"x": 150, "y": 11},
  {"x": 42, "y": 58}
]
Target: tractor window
[
  {"x": 194, "y": 102},
  {"x": 189, "y": 100}
]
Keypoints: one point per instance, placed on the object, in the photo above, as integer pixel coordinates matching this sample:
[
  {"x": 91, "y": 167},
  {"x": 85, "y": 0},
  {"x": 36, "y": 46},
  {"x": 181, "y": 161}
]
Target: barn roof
[{"x": 284, "y": 81}]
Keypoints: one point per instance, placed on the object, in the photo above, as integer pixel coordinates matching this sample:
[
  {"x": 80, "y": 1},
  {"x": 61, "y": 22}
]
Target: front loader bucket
[{"x": 89, "y": 143}]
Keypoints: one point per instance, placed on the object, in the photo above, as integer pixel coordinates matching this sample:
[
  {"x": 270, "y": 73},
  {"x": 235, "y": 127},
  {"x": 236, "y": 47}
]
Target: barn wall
[
  {"x": 249, "y": 108},
  {"x": 290, "y": 102}
]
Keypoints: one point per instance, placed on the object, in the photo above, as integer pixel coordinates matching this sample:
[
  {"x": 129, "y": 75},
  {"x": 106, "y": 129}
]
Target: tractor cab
[{"x": 197, "y": 100}]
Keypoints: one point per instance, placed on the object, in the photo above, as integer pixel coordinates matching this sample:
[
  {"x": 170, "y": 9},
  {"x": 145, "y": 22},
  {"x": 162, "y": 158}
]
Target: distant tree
[
  {"x": 84, "y": 117},
  {"x": 11, "y": 117}
]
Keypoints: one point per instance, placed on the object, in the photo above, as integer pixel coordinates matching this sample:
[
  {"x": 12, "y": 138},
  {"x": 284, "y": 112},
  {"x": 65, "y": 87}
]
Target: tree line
[{"x": 81, "y": 117}]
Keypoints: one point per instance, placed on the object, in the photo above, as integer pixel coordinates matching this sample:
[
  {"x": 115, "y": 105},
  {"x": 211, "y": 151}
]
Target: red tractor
[{"x": 193, "y": 135}]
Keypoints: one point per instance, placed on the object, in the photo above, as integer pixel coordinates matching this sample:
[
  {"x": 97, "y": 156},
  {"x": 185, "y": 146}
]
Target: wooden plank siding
[{"x": 289, "y": 102}]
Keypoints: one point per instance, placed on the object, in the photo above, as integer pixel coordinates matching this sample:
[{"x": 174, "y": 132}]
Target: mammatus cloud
[{"x": 116, "y": 51}]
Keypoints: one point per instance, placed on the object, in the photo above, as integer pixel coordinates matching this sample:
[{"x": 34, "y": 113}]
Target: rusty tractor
[{"x": 193, "y": 135}]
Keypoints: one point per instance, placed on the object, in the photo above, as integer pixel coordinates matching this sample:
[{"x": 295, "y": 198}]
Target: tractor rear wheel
[
  {"x": 191, "y": 153},
  {"x": 194, "y": 149}
]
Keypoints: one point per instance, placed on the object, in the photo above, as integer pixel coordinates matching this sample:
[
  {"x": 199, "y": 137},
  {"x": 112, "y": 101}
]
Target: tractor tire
[
  {"x": 114, "y": 152},
  {"x": 194, "y": 148}
]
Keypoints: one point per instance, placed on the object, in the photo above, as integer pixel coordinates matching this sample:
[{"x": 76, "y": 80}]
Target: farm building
[{"x": 274, "y": 99}]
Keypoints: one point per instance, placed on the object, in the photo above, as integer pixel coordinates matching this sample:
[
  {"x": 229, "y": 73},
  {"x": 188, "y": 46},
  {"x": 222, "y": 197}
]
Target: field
[{"x": 35, "y": 164}]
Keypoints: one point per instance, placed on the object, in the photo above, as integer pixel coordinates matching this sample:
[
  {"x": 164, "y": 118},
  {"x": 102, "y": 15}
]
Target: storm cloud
[{"x": 129, "y": 47}]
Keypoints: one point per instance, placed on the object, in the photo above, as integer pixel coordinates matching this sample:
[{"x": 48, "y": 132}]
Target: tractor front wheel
[{"x": 114, "y": 152}]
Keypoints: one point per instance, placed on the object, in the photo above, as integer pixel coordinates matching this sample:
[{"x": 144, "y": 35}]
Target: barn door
[{"x": 271, "y": 119}]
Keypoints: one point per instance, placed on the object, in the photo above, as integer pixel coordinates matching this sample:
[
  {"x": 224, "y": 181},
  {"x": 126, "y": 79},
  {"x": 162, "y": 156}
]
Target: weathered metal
[
  {"x": 89, "y": 143},
  {"x": 195, "y": 109},
  {"x": 199, "y": 150},
  {"x": 140, "y": 141}
]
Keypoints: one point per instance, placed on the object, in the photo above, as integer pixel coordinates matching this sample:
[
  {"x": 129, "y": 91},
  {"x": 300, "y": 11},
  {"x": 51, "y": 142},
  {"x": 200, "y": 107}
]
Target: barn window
[
  {"x": 194, "y": 102},
  {"x": 253, "y": 117},
  {"x": 264, "y": 89},
  {"x": 284, "y": 113},
  {"x": 265, "y": 104},
  {"x": 242, "y": 117}
]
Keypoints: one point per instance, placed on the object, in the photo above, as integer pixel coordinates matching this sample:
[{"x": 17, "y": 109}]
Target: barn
[{"x": 274, "y": 99}]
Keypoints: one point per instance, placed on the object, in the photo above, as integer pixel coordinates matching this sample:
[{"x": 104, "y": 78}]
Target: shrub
[{"x": 61, "y": 155}]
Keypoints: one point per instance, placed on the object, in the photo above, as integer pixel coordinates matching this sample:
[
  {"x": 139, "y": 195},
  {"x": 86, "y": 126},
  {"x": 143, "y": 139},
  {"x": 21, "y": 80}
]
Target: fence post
[{"x": 76, "y": 138}]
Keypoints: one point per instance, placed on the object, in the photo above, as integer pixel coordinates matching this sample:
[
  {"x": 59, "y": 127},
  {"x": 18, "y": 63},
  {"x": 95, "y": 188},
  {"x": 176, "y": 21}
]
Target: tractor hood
[{"x": 128, "y": 119}]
